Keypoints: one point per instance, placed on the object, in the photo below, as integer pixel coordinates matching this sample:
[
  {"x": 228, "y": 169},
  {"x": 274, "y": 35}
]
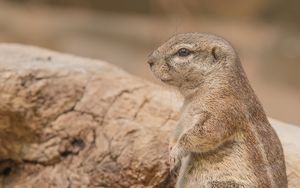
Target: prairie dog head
[{"x": 187, "y": 59}]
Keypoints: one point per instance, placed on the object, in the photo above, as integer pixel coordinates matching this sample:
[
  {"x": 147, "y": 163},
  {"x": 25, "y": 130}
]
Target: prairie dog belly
[{"x": 225, "y": 167}]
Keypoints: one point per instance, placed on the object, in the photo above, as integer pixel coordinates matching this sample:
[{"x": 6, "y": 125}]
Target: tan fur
[{"x": 223, "y": 137}]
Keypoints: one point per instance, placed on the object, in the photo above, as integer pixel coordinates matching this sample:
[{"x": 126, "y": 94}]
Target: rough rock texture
[{"x": 72, "y": 122}]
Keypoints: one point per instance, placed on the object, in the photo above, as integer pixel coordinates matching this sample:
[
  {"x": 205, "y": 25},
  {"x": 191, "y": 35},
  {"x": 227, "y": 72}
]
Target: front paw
[
  {"x": 176, "y": 154},
  {"x": 174, "y": 169}
]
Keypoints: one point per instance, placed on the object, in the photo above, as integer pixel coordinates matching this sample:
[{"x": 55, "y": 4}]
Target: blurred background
[{"x": 266, "y": 33}]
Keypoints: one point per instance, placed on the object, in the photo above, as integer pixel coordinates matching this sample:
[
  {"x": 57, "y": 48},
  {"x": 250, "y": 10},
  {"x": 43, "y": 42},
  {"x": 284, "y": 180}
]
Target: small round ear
[{"x": 217, "y": 53}]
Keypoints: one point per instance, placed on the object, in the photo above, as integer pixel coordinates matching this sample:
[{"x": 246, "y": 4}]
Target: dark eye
[{"x": 183, "y": 52}]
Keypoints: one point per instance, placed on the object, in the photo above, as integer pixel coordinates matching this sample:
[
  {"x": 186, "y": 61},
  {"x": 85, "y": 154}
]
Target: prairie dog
[{"x": 223, "y": 138}]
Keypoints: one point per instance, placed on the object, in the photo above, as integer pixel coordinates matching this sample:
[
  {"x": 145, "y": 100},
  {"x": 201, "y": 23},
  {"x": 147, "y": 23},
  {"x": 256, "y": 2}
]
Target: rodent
[{"x": 223, "y": 137}]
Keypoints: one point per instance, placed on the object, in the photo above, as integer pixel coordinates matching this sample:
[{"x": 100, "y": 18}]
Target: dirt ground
[{"x": 270, "y": 53}]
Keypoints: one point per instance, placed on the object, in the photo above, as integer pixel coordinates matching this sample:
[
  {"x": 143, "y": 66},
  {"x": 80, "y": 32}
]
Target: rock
[
  {"x": 67, "y": 121},
  {"x": 290, "y": 138}
]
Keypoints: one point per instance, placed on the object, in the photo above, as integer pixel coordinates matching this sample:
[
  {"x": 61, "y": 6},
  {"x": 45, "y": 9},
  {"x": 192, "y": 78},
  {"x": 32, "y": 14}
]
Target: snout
[
  {"x": 150, "y": 62},
  {"x": 152, "y": 59}
]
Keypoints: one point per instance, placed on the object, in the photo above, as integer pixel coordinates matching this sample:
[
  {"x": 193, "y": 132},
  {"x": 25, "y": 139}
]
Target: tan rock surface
[{"x": 67, "y": 121}]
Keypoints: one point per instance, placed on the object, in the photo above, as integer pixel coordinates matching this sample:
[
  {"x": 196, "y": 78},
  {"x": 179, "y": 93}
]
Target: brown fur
[{"x": 223, "y": 137}]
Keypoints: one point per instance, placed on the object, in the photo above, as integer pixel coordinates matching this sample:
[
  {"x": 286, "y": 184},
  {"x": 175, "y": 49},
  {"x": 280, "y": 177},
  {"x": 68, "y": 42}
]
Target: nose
[{"x": 150, "y": 62}]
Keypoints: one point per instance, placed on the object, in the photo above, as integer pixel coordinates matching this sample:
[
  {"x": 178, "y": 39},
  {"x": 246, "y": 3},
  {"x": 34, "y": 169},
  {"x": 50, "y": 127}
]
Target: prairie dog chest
[{"x": 190, "y": 115}]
